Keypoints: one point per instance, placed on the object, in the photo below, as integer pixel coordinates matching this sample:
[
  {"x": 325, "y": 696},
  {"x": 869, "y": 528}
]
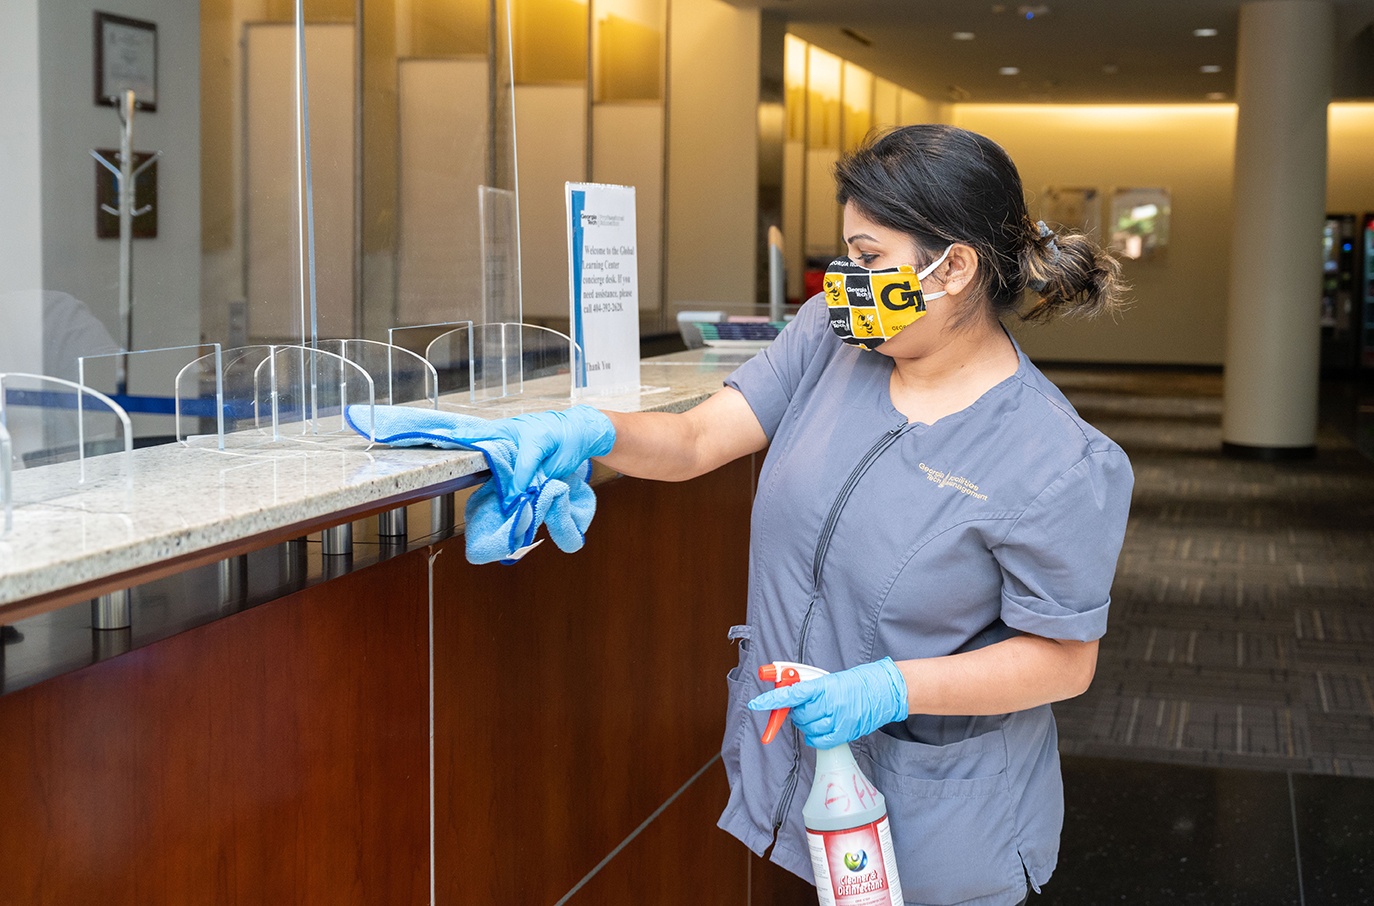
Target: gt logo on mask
[
  {"x": 909, "y": 297},
  {"x": 852, "y": 294}
]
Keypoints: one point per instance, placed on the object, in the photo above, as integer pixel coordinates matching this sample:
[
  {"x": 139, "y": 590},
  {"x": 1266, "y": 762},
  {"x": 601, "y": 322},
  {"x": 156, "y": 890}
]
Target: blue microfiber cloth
[{"x": 501, "y": 520}]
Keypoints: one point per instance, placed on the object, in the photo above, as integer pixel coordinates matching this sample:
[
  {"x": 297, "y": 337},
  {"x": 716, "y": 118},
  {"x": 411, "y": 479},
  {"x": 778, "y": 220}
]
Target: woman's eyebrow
[{"x": 857, "y": 236}]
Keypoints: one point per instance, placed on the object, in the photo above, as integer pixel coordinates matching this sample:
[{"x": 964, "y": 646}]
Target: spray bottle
[{"x": 845, "y": 816}]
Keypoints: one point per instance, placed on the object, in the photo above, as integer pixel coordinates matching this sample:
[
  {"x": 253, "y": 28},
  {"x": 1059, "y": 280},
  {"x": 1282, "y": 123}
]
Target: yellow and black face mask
[{"x": 867, "y": 307}]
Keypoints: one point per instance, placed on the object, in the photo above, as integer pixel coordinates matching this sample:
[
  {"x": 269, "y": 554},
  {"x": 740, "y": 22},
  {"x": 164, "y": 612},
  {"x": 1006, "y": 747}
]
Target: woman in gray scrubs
[{"x": 934, "y": 523}]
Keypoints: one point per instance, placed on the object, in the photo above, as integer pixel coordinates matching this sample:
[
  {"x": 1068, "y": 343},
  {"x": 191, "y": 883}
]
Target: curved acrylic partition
[
  {"x": 284, "y": 393},
  {"x": 147, "y": 374},
  {"x": 61, "y": 438},
  {"x": 400, "y": 375},
  {"x": 502, "y": 357},
  {"x": 451, "y": 364}
]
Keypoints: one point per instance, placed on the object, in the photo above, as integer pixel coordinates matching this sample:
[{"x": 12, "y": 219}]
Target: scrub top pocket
[
  {"x": 741, "y": 688},
  {"x": 952, "y": 818}
]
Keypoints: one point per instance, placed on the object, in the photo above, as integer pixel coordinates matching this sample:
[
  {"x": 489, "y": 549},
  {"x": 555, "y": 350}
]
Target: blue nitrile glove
[
  {"x": 555, "y": 443},
  {"x": 841, "y": 707},
  {"x": 503, "y": 515}
]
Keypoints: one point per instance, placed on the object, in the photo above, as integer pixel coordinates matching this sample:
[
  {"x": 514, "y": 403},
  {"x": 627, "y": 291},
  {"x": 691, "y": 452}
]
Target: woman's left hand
[{"x": 841, "y": 707}]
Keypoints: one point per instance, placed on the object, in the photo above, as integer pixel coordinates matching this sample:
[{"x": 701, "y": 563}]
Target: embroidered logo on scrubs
[{"x": 956, "y": 482}]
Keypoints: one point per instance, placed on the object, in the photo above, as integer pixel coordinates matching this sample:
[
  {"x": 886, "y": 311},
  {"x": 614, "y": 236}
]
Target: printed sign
[{"x": 603, "y": 285}]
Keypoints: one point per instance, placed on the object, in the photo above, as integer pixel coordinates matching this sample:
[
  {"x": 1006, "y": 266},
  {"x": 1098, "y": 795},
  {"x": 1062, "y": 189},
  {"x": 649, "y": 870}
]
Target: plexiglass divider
[
  {"x": 151, "y": 373},
  {"x": 499, "y": 216},
  {"x": 401, "y": 376},
  {"x": 452, "y": 360},
  {"x": 502, "y": 357},
  {"x": 83, "y": 434},
  {"x": 284, "y": 393}
]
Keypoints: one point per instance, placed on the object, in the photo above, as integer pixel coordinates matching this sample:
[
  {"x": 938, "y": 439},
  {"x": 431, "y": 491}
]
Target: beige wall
[
  {"x": 1179, "y": 304},
  {"x": 1350, "y": 159},
  {"x": 712, "y": 153}
]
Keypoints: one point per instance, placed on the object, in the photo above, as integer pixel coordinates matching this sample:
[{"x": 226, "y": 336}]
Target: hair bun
[{"x": 1071, "y": 274}]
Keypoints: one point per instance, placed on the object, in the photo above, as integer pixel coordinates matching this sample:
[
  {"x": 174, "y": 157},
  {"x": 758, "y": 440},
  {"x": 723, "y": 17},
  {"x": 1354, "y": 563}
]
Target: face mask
[{"x": 868, "y": 308}]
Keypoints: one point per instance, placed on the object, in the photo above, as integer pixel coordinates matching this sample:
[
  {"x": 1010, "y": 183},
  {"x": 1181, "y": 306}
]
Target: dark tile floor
[
  {"x": 1142, "y": 833},
  {"x": 1235, "y": 689}
]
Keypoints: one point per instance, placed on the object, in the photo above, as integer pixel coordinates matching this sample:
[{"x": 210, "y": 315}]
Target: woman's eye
[{"x": 868, "y": 259}]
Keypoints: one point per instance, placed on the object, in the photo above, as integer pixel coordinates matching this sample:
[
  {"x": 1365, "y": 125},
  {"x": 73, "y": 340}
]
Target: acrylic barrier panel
[
  {"x": 399, "y": 375},
  {"x": 285, "y": 393},
  {"x": 500, "y": 288},
  {"x": 508, "y": 358},
  {"x": 451, "y": 358},
  {"x": 457, "y": 231},
  {"x": 155, "y": 399},
  {"x": 272, "y": 186},
  {"x": 62, "y": 438}
]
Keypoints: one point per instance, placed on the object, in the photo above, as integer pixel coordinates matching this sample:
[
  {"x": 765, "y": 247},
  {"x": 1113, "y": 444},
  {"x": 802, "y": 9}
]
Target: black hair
[{"x": 940, "y": 184}]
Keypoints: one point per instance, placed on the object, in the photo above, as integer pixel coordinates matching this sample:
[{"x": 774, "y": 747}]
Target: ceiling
[{"x": 1067, "y": 51}]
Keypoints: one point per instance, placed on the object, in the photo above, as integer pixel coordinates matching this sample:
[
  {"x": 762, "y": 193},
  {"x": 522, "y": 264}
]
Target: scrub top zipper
[{"x": 789, "y": 788}]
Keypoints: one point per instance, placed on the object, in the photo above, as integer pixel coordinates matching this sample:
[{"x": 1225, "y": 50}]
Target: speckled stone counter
[{"x": 183, "y": 504}]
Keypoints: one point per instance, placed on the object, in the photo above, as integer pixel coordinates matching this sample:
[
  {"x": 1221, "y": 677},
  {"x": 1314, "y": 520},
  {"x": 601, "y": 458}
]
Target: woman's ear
[{"x": 960, "y": 268}]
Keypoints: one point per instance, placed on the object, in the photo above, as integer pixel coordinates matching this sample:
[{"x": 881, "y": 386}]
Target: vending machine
[
  {"x": 1341, "y": 334},
  {"x": 1364, "y": 289},
  {"x": 1347, "y": 299}
]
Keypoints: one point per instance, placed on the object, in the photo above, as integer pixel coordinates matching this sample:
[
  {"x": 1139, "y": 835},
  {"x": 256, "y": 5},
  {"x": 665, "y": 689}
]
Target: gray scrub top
[{"x": 872, "y": 537}]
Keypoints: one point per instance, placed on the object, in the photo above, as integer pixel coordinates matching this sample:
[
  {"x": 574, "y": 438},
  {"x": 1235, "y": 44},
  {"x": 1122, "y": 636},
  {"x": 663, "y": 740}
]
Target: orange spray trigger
[{"x": 779, "y": 674}]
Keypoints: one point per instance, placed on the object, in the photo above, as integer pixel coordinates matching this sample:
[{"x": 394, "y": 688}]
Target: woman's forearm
[
  {"x": 1012, "y": 675},
  {"x": 678, "y": 446}
]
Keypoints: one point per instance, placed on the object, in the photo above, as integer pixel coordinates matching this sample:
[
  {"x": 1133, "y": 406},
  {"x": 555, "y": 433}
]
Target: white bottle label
[{"x": 855, "y": 867}]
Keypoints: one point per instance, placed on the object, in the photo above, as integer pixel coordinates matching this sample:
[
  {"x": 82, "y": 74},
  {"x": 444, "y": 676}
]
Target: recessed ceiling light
[
  {"x": 1204, "y": 33},
  {"x": 998, "y": 8},
  {"x": 1216, "y": 95},
  {"x": 1033, "y": 12},
  {"x": 963, "y": 36},
  {"x": 1110, "y": 68},
  {"x": 1009, "y": 70},
  {"x": 1211, "y": 69}
]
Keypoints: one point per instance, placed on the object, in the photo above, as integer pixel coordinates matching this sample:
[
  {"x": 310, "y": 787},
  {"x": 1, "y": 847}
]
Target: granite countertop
[{"x": 180, "y": 500}]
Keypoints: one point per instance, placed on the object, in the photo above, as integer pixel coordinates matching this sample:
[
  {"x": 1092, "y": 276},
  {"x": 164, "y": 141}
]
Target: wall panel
[
  {"x": 442, "y": 112},
  {"x": 592, "y": 689},
  {"x": 628, "y": 151},
  {"x": 276, "y": 756},
  {"x": 551, "y": 149}
]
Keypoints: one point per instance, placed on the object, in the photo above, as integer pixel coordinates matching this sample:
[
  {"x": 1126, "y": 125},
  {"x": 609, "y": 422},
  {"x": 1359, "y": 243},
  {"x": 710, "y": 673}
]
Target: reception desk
[{"x": 279, "y": 725}]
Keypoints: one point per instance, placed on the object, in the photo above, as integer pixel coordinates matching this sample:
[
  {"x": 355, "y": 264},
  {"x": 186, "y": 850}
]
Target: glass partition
[
  {"x": 506, "y": 358},
  {"x": 446, "y": 346},
  {"x": 283, "y": 393},
  {"x": 146, "y": 383},
  {"x": 400, "y": 376},
  {"x": 83, "y": 434}
]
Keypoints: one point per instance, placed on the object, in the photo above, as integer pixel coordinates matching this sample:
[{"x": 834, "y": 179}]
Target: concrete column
[{"x": 1273, "y": 332}]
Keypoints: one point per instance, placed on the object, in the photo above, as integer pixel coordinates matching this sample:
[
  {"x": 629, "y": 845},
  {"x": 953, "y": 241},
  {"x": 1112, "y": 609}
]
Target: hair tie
[
  {"x": 1039, "y": 285},
  {"x": 1053, "y": 246}
]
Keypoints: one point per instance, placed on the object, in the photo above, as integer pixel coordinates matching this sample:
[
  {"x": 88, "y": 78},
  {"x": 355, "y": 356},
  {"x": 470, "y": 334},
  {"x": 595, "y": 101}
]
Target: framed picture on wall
[
  {"x": 1139, "y": 225},
  {"x": 1074, "y": 207},
  {"x": 125, "y": 59}
]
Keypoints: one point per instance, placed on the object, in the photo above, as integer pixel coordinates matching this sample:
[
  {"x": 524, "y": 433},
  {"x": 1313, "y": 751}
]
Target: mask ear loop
[{"x": 930, "y": 269}]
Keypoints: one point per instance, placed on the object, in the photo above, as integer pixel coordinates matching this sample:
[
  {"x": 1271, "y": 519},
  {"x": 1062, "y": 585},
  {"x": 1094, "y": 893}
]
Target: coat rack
[{"x": 125, "y": 174}]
